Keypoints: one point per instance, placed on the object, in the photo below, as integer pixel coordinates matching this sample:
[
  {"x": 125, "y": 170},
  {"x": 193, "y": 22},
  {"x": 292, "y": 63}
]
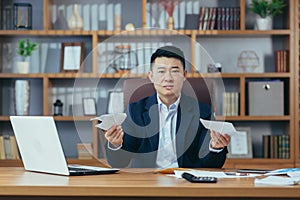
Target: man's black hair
[{"x": 170, "y": 52}]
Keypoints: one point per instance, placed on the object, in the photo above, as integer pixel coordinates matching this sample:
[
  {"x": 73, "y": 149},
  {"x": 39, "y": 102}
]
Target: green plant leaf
[{"x": 25, "y": 48}]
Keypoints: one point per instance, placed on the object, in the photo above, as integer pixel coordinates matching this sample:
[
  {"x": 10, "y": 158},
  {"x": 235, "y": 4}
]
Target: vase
[
  {"x": 75, "y": 22},
  {"x": 22, "y": 97},
  {"x": 264, "y": 23},
  {"x": 22, "y": 67},
  {"x": 170, "y": 23},
  {"x": 61, "y": 22}
]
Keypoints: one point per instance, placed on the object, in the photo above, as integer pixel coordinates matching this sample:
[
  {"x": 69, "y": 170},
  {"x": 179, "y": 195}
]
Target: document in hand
[
  {"x": 108, "y": 120},
  {"x": 218, "y": 126}
]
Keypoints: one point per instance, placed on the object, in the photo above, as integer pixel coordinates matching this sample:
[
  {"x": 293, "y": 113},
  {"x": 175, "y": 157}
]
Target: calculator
[{"x": 199, "y": 179}]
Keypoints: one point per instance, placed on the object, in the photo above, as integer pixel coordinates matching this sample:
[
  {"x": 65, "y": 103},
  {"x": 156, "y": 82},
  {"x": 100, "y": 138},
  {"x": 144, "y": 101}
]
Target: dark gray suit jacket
[{"x": 141, "y": 136}]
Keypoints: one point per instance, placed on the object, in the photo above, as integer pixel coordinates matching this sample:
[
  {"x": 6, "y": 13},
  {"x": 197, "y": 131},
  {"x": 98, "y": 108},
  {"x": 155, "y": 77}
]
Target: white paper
[
  {"x": 108, "y": 120},
  {"x": 283, "y": 171},
  {"x": 218, "y": 126},
  {"x": 276, "y": 180}
]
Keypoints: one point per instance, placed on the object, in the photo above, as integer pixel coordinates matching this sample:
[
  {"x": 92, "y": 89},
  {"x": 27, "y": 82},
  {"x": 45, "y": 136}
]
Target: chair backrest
[{"x": 138, "y": 88}]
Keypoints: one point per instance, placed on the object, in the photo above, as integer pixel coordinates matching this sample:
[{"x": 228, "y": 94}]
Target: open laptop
[{"x": 41, "y": 150}]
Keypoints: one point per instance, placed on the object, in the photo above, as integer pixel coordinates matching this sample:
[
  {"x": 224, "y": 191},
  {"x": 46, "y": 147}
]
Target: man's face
[{"x": 168, "y": 76}]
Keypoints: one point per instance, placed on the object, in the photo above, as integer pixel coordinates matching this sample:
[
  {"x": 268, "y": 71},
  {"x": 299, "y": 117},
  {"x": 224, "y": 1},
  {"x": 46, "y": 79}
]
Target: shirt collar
[{"x": 172, "y": 106}]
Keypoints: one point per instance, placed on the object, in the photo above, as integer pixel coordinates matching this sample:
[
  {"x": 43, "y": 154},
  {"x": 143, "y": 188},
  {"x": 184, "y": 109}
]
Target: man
[{"x": 164, "y": 130}]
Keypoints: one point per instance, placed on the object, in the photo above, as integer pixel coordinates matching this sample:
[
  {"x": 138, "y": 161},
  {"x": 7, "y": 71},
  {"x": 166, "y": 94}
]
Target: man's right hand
[{"x": 114, "y": 135}]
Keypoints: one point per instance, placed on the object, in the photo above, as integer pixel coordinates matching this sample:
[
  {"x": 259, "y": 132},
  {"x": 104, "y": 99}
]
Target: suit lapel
[
  {"x": 184, "y": 118},
  {"x": 151, "y": 121}
]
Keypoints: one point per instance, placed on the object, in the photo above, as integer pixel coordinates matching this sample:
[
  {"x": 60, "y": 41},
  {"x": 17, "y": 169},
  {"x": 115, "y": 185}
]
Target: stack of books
[
  {"x": 230, "y": 104},
  {"x": 8, "y": 147},
  {"x": 219, "y": 18},
  {"x": 281, "y": 60},
  {"x": 276, "y": 146}
]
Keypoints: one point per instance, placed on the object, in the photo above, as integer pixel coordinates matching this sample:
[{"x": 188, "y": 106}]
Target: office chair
[{"x": 202, "y": 88}]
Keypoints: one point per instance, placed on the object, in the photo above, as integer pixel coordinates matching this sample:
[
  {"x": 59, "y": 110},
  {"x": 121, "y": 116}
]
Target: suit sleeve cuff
[
  {"x": 113, "y": 147},
  {"x": 214, "y": 150}
]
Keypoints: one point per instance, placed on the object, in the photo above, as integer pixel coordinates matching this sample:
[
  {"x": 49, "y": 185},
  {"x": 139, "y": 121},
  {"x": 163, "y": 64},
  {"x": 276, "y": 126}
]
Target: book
[
  {"x": 8, "y": 147},
  {"x": 206, "y": 18},
  {"x": 201, "y": 17},
  {"x": 266, "y": 146},
  {"x": 213, "y": 18},
  {"x": 14, "y": 147},
  {"x": 2, "y": 150},
  {"x": 219, "y": 18}
]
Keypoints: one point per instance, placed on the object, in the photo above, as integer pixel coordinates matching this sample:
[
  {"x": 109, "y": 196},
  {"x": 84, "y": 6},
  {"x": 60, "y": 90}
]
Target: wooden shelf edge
[
  {"x": 137, "y": 32},
  {"x": 92, "y": 162},
  {"x": 59, "y": 118},
  {"x": 131, "y": 75}
]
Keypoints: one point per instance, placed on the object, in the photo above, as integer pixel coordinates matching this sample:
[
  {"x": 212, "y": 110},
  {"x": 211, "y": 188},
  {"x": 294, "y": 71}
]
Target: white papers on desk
[
  {"x": 277, "y": 180},
  {"x": 285, "y": 171},
  {"x": 216, "y": 174},
  {"x": 108, "y": 120},
  {"x": 218, "y": 126},
  {"x": 271, "y": 179}
]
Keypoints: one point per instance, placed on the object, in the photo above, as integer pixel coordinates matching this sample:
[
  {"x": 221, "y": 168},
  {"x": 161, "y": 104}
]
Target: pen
[{"x": 236, "y": 173}]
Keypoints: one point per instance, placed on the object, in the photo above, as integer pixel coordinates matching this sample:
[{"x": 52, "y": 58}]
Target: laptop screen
[{"x": 39, "y": 144}]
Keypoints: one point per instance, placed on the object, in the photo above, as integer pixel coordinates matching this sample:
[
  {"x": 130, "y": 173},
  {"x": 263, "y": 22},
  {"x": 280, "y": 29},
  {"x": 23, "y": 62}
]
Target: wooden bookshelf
[{"x": 287, "y": 36}]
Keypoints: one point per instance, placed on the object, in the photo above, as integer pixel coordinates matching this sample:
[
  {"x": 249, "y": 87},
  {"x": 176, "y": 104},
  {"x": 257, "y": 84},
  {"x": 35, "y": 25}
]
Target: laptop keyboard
[{"x": 77, "y": 169}]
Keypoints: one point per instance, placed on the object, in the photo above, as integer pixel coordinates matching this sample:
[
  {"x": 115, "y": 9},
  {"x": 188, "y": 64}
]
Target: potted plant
[
  {"x": 25, "y": 49},
  {"x": 266, "y": 10}
]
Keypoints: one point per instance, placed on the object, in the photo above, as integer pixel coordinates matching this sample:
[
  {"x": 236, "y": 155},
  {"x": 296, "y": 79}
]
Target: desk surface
[{"x": 129, "y": 183}]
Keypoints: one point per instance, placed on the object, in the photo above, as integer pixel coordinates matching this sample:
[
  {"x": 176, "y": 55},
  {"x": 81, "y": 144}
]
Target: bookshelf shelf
[
  {"x": 54, "y": 83},
  {"x": 243, "y": 32},
  {"x": 73, "y": 118}
]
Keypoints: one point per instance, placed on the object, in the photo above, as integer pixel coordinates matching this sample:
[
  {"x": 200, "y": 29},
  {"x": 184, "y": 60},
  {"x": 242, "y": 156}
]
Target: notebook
[{"x": 41, "y": 149}]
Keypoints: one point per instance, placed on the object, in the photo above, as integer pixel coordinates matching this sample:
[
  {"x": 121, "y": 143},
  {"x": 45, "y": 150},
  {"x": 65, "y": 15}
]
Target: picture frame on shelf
[
  {"x": 240, "y": 145},
  {"x": 71, "y": 56},
  {"x": 22, "y": 16},
  {"x": 89, "y": 106},
  {"x": 115, "y": 102}
]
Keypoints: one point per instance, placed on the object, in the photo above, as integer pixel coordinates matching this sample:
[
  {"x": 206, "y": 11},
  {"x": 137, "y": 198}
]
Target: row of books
[
  {"x": 8, "y": 147},
  {"x": 276, "y": 146},
  {"x": 219, "y": 18},
  {"x": 85, "y": 150},
  {"x": 230, "y": 104},
  {"x": 281, "y": 60}
]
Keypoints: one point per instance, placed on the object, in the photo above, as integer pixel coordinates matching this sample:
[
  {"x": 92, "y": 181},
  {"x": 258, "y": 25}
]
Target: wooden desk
[{"x": 15, "y": 184}]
